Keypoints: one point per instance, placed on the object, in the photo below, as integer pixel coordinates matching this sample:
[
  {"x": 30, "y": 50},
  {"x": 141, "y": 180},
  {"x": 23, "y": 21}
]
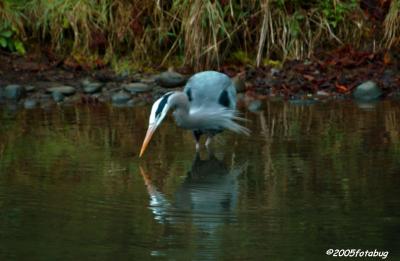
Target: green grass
[{"x": 198, "y": 33}]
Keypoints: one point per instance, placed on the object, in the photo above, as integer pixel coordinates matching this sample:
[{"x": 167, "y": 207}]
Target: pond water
[{"x": 309, "y": 178}]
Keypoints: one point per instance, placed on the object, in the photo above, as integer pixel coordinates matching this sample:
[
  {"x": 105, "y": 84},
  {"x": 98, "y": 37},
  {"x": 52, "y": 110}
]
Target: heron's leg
[
  {"x": 197, "y": 135},
  {"x": 208, "y": 141}
]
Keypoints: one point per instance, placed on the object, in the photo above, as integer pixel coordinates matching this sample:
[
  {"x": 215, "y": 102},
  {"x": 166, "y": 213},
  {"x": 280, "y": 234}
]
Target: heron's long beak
[{"x": 147, "y": 139}]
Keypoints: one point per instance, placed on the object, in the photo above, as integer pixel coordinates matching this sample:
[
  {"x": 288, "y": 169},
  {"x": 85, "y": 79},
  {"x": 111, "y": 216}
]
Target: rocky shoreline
[
  {"x": 101, "y": 87},
  {"x": 31, "y": 85}
]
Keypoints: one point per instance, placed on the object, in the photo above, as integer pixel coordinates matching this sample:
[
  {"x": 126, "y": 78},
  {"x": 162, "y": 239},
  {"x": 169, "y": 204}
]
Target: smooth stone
[
  {"x": 30, "y": 103},
  {"x": 85, "y": 82},
  {"x": 322, "y": 94},
  {"x": 170, "y": 79},
  {"x": 388, "y": 79},
  {"x": 93, "y": 87},
  {"x": 131, "y": 103},
  {"x": 275, "y": 71},
  {"x": 254, "y": 106},
  {"x": 120, "y": 98},
  {"x": 13, "y": 92},
  {"x": 65, "y": 90},
  {"x": 29, "y": 88},
  {"x": 57, "y": 96},
  {"x": 137, "y": 87},
  {"x": 367, "y": 91},
  {"x": 149, "y": 80}
]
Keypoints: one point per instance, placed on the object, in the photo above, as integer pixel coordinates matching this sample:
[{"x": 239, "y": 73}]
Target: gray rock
[
  {"x": 151, "y": 80},
  {"x": 57, "y": 96},
  {"x": 389, "y": 79},
  {"x": 137, "y": 87},
  {"x": 275, "y": 71},
  {"x": 254, "y": 106},
  {"x": 92, "y": 87},
  {"x": 170, "y": 79},
  {"x": 131, "y": 103},
  {"x": 29, "y": 88},
  {"x": 13, "y": 92},
  {"x": 322, "y": 94},
  {"x": 30, "y": 103},
  {"x": 85, "y": 82},
  {"x": 120, "y": 98},
  {"x": 65, "y": 90},
  {"x": 367, "y": 91}
]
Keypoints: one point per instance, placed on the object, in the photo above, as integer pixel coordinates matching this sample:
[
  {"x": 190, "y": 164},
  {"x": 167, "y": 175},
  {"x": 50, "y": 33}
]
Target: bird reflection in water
[{"x": 207, "y": 197}]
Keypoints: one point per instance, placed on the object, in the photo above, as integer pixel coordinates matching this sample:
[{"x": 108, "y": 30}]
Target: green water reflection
[{"x": 308, "y": 179}]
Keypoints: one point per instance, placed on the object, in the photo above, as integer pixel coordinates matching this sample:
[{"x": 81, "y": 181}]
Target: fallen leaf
[
  {"x": 386, "y": 58},
  {"x": 308, "y": 77},
  {"x": 342, "y": 88}
]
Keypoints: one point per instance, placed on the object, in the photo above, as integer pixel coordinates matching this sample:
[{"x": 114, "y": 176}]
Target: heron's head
[{"x": 158, "y": 112}]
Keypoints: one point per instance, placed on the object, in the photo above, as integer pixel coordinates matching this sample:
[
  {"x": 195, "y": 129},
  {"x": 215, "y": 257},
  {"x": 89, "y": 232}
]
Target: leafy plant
[
  {"x": 9, "y": 40},
  {"x": 335, "y": 11},
  {"x": 12, "y": 26}
]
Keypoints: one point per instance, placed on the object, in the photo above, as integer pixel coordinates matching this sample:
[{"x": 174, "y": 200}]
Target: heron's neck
[{"x": 181, "y": 104}]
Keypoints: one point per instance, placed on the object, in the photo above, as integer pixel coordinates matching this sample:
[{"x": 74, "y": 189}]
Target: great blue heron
[{"x": 207, "y": 106}]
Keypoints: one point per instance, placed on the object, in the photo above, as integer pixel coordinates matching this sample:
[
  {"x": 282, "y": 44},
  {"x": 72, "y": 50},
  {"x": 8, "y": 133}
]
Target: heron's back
[{"x": 211, "y": 89}]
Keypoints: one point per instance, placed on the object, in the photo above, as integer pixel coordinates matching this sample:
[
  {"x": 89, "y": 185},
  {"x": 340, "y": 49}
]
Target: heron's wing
[
  {"x": 216, "y": 117},
  {"x": 211, "y": 88}
]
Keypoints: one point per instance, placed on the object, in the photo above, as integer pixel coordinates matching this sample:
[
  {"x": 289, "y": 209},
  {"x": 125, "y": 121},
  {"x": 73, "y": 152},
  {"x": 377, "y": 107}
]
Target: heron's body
[
  {"x": 211, "y": 88},
  {"x": 207, "y": 105}
]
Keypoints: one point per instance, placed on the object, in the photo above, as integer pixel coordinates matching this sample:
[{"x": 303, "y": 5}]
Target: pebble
[
  {"x": 322, "y": 94},
  {"x": 13, "y": 92},
  {"x": 93, "y": 87},
  {"x": 137, "y": 87},
  {"x": 170, "y": 79},
  {"x": 65, "y": 90},
  {"x": 57, "y": 96},
  {"x": 131, "y": 103},
  {"x": 367, "y": 91},
  {"x": 275, "y": 71},
  {"x": 29, "y": 88},
  {"x": 120, "y": 98}
]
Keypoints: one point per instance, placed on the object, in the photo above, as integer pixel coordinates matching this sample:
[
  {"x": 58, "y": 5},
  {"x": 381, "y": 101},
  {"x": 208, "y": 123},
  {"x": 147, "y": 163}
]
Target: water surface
[{"x": 308, "y": 179}]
